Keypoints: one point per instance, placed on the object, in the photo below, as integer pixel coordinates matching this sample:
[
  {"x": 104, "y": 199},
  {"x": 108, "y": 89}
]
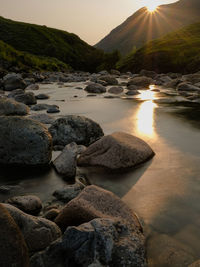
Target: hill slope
[
  {"x": 44, "y": 41},
  {"x": 143, "y": 26},
  {"x": 176, "y": 52},
  {"x": 10, "y": 57}
]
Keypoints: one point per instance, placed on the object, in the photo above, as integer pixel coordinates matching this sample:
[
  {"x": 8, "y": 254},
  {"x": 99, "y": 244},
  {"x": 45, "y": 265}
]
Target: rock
[
  {"x": 58, "y": 148},
  {"x": 42, "y": 96},
  {"x": 173, "y": 83},
  {"x": 195, "y": 264},
  {"x": 78, "y": 129},
  {"x": 43, "y": 106},
  {"x": 43, "y": 118},
  {"x": 6, "y": 189},
  {"x": 38, "y": 232},
  {"x": 95, "y": 88},
  {"x": 53, "y": 109},
  {"x": 16, "y": 92},
  {"x": 116, "y": 151},
  {"x": 132, "y": 87},
  {"x": 29, "y": 204},
  {"x": 69, "y": 192},
  {"x": 115, "y": 72},
  {"x": 132, "y": 92},
  {"x": 13, "y": 248},
  {"x": 116, "y": 90},
  {"x": 65, "y": 163},
  {"x": 95, "y": 202},
  {"x": 51, "y": 214},
  {"x": 102, "y": 82},
  {"x": 29, "y": 81},
  {"x": 141, "y": 81},
  {"x": 26, "y": 98},
  {"x": 24, "y": 142},
  {"x": 32, "y": 87},
  {"x": 187, "y": 87},
  {"x": 148, "y": 73},
  {"x": 11, "y": 107},
  {"x": 109, "y": 79},
  {"x": 13, "y": 81}
]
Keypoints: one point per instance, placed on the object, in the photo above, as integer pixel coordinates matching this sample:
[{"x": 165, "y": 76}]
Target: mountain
[
  {"x": 176, "y": 52},
  {"x": 144, "y": 26},
  {"x": 11, "y": 58},
  {"x": 49, "y": 42}
]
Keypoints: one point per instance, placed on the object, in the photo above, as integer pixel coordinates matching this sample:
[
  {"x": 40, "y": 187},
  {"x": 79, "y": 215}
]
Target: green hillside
[
  {"x": 10, "y": 57},
  {"x": 176, "y": 52},
  {"x": 44, "y": 41}
]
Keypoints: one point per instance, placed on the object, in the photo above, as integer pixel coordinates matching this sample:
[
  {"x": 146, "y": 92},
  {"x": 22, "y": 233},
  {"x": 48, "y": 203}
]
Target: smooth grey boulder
[
  {"x": 187, "y": 87},
  {"x": 142, "y": 81},
  {"x": 11, "y": 107},
  {"x": 109, "y": 79},
  {"x": 68, "y": 192},
  {"x": 13, "y": 248},
  {"x": 38, "y": 232},
  {"x": 24, "y": 142},
  {"x": 65, "y": 163},
  {"x": 13, "y": 81},
  {"x": 115, "y": 90},
  {"x": 29, "y": 204},
  {"x": 116, "y": 151},
  {"x": 78, "y": 129},
  {"x": 95, "y": 88}
]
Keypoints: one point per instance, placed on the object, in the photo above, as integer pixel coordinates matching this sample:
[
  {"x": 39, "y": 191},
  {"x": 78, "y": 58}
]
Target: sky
[{"x": 90, "y": 19}]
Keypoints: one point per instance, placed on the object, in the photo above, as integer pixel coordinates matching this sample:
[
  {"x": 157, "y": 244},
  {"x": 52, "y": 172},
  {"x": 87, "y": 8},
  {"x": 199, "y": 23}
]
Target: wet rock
[
  {"x": 26, "y": 98},
  {"x": 78, "y": 129},
  {"x": 42, "y": 96},
  {"x": 187, "y": 87},
  {"x": 53, "y": 109},
  {"x": 29, "y": 81},
  {"x": 29, "y": 204},
  {"x": 69, "y": 192},
  {"x": 110, "y": 80},
  {"x": 16, "y": 92},
  {"x": 95, "y": 88},
  {"x": 13, "y": 81},
  {"x": 95, "y": 202},
  {"x": 173, "y": 83},
  {"x": 6, "y": 189},
  {"x": 43, "y": 106},
  {"x": 115, "y": 151},
  {"x": 141, "y": 81},
  {"x": 13, "y": 248},
  {"x": 132, "y": 88},
  {"x": 24, "y": 142},
  {"x": 38, "y": 232},
  {"x": 116, "y": 90},
  {"x": 148, "y": 73},
  {"x": 132, "y": 92},
  {"x": 51, "y": 214},
  {"x": 65, "y": 163},
  {"x": 43, "y": 118},
  {"x": 32, "y": 87},
  {"x": 11, "y": 107}
]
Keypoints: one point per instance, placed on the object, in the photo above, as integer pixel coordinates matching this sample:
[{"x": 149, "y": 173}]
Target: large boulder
[
  {"x": 38, "y": 232},
  {"x": 95, "y": 88},
  {"x": 30, "y": 204},
  {"x": 26, "y": 98},
  {"x": 116, "y": 151},
  {"x": 13, "y": 81},
  {"x": 12, "y": 245},
  {"x": 95, "y": 202},
  {"x": 141, "y": 82},
  {"x": 24, "y": 142},
  {"x": 78, "y": 129},
  {"x": 11, "y": 107},
  {"x": 68, "y": 192},
  {"x": 116, "y": 90},
  {"x": 109, "y": 79}
]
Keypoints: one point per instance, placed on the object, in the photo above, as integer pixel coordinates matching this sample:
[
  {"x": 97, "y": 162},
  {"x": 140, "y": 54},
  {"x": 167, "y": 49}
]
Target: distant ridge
[{"x": 142, "y": 26}]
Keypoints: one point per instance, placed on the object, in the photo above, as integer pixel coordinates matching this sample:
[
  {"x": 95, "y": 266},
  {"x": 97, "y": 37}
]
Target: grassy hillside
[
  {"x": 177, "y": 52},
  {"x": 10, "y": 57},
  {"x": 144, "y": 26},
  {"x": 44, "y": 41}
]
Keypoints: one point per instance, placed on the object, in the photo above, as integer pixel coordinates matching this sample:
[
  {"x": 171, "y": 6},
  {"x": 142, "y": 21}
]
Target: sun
[{"x": 152, "y": 7}]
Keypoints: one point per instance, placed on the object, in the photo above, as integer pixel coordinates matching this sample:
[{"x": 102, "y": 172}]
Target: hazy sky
[{"x": 90, "y": 19}]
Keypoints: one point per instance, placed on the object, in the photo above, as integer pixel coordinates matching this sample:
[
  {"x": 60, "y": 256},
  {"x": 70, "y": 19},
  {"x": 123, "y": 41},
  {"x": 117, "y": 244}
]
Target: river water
[{"x": 164, "y": 192}]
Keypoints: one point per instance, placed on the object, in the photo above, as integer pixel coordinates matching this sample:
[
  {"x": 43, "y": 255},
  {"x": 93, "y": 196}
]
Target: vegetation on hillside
[{"x": 176, "y": 52}]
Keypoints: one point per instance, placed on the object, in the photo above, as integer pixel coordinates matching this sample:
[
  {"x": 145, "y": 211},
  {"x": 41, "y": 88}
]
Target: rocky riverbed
[{"x": 135, "y": 135}]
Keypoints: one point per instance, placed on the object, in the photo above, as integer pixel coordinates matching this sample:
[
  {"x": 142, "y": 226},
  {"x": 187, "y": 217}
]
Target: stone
[
  {"x": 95, "y": 88},
  {"x": 38, "y": 232},
  {"x": 11, "y": 107},
  {"x": 43, "y": 106},
  {"x": 13, "y": 248},
  {"x": 78, "y": 129},
  {"x": 53, "y": 109},
  {"x": 195, "y": 264},
  {"x": 26, "y": 98},
  {"x": 187, "y": 87},
  {"x": 32, "y": 87},
  {"x": 51, "y": 214},
  {"x": 148, "y": 73},
  {"x": 109, "y": 79},
  {"x": 141, "y": 82},
  {"x": 68, "y": 192},
  {"x": 95, "y": 202},
  {"x": 29, "y": 204},
  {"x": 116, "y": 90},
  {"x": 132, "y": 92},
  {"x": 43, "y": 118},
  {"x": 13, "y": 81},
  {"x": 65, "y": 163},
  {"x": 115, "y": 72},
  {"x": 132, "y": 87},
  {"x": 116, "y": 151},
  {"x": 24, "y": 142},
  {"x": 42, "y": 96}
]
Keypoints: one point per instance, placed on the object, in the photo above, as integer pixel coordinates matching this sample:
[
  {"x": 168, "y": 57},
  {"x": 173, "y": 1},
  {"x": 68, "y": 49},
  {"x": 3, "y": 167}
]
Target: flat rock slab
[{"x": 116, "y": 151}]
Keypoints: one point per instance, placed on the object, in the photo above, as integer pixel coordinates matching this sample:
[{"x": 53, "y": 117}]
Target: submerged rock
[
  {"x": 116, "y": 151},
  {"x": 13, "y": 248},
  {"x": 38, "y": 232},
  {"x": 24, "y": 142},
  {"x": 11, "y": 107},
  {"x": 78, "y": 129}
]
